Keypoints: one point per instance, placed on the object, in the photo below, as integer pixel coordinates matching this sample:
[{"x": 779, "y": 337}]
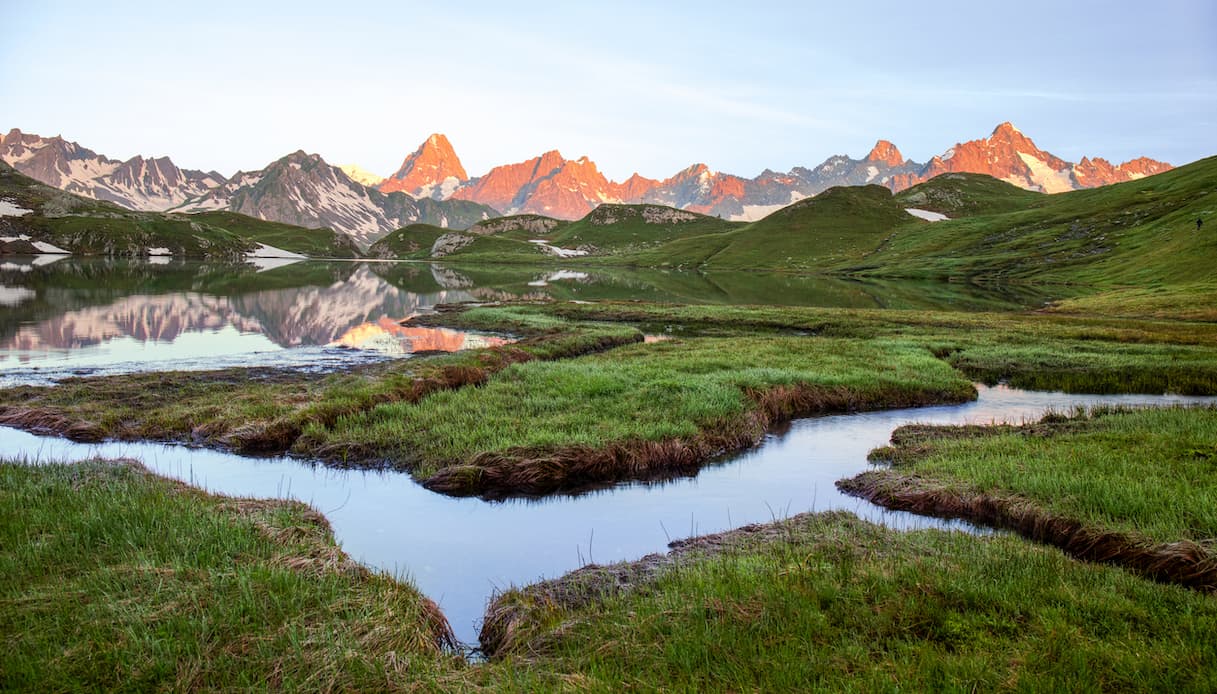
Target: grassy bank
[
  {"x": 827, "y": 602},
  {"x": 265, "y": 411},
  {"x": 599, "y": 408},
  {"x": 1136, "y": 488},
  {"x": 115, "y": 579},
  {"x": 1084, "y": 354},
  {"x": 633, "y": 412},
  {"x": 118, "y": 579}
]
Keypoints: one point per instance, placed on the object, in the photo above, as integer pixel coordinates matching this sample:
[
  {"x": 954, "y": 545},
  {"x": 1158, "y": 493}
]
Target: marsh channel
[{"x": 89, "y": 317}]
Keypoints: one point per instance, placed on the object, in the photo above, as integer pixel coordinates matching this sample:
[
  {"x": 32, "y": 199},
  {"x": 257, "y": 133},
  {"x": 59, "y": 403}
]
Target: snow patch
[
  {"x": 554, "y": 250},
  {"x": 264, "y": 264},
  {"x": 361, "y": 175},
  {"x": 41, "y": 246},
  {"x": 268, "y": 257},
  {"x": 44, "y": 247},
  {"x": 751, "y": 213},
  {"x": 559, "y": 275},
  {"x": 927, "y": 215},
  {"x": 8, "y": 209},
  {"x": 159, "y": 251},
  {"x": 871, "y": 172},
  {"x": 265, "y": 251},
  {"x": 11, "y": 296},
  {"x": 1048, "y": 179}
]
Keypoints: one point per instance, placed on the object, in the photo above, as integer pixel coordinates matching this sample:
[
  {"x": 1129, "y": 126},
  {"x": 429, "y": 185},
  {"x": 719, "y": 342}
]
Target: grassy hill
[
  {"x": 93, "y": 227},
  {"x": 836, "y": 226},
  {"x": 1137, "y": 233},
  {"x": 608, "y": 231},
  {"x": 968, "y": 195},
  {"x": 315, "y": 243},
  {"x": 407, "y": 243},
  {"x": 624, "y": 228}
]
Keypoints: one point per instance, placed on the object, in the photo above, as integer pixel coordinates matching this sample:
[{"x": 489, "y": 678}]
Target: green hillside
[
  {"x": 91, "y": 227},
  {"x": 411, "y": 242},
  {"x": 624, "y": 228},
  {"x": 609, "y": 231},
  {"x": 839, "y": 225},
  {"x": 1137, "y": 233},
  {"x": 968, "y": 195},
  {"x": 315, "y": 243}
]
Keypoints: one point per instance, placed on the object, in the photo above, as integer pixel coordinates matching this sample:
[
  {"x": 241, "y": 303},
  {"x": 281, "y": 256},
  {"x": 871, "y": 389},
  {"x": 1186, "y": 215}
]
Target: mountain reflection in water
[{"x": 84, "y": 316}]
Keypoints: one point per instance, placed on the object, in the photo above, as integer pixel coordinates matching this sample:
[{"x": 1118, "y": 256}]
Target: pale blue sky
[{"x": 742, "y": 86}]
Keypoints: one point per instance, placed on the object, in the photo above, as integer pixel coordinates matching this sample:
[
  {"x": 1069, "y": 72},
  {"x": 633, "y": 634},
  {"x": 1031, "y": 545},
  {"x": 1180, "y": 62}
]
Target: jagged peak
[
  {"x": 1006, "y": 128},
  {"x": 693, "y": 170},
  {"x": 886, "y": 152}
]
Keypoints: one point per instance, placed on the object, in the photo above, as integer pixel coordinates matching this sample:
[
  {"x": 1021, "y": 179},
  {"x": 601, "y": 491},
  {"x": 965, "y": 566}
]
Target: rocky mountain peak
[
  {"x": 1006, "y": 128},
  {"x": 885, "y": 152},
  {"x": 432, "y": 170}
]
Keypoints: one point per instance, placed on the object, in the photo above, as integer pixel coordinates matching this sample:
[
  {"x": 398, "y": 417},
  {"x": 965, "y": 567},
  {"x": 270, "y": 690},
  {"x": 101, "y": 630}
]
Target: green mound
[
  {"x": 968, "y": 195},
  {"x": 315, "y": 243},
  {"x": 623, "y": 228},
  {"x": 412, "y": 242},
  {"x": 839, "y": 225}
]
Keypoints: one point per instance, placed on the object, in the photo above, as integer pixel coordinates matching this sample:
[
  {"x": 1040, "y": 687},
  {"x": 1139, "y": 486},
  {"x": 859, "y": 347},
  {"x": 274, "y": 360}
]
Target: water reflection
[{"x": 80, "y": 314}]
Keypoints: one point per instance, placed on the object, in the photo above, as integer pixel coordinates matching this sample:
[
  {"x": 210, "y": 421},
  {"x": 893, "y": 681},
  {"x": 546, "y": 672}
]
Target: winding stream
[{"x": 459, "y": 551}]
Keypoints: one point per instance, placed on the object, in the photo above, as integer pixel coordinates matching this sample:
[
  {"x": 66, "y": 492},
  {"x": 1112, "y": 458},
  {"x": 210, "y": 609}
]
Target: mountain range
[
  {"x": 433, "y": 187},
  {"x": 554, "y": 186}
]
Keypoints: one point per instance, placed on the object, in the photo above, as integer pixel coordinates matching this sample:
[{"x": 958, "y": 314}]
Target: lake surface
[
  {"x": 64, "y": 316},
  {"x": 459, "y": 551}
]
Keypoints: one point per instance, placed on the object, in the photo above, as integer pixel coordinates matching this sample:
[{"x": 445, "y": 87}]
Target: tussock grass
[
  {"x": 635, "y": 410},
  {"x": 265, "y": 411},
  {"x": 543, "y": 418},
  {"x": 830, "y": 603},
  {"x": 1029, "y": 350},
  {"x": 1136, "y": 488},
  {"x": 114, "y": 578}
]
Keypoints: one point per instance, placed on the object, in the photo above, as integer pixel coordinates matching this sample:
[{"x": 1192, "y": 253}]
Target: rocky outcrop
[
  {"x": 450, "y": 243},
  {"x": 606, "y": 215},
  {"x": 532, "y": 223}
]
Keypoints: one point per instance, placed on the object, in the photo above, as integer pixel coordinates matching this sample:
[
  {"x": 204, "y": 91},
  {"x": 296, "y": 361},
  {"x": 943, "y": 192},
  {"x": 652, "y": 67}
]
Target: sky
[{"x": 647, "y": 87}]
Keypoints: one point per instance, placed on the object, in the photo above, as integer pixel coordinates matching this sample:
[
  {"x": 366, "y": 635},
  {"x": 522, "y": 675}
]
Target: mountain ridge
[
  {"x": 552, "y": 185},
  {"x": 436, "y": 188}
]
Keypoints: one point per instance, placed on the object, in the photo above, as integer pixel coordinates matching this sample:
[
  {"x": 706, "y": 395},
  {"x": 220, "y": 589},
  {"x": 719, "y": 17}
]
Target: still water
[
  {"x": 63, "y": 316},
  {"x": 459, "y": 551}
]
